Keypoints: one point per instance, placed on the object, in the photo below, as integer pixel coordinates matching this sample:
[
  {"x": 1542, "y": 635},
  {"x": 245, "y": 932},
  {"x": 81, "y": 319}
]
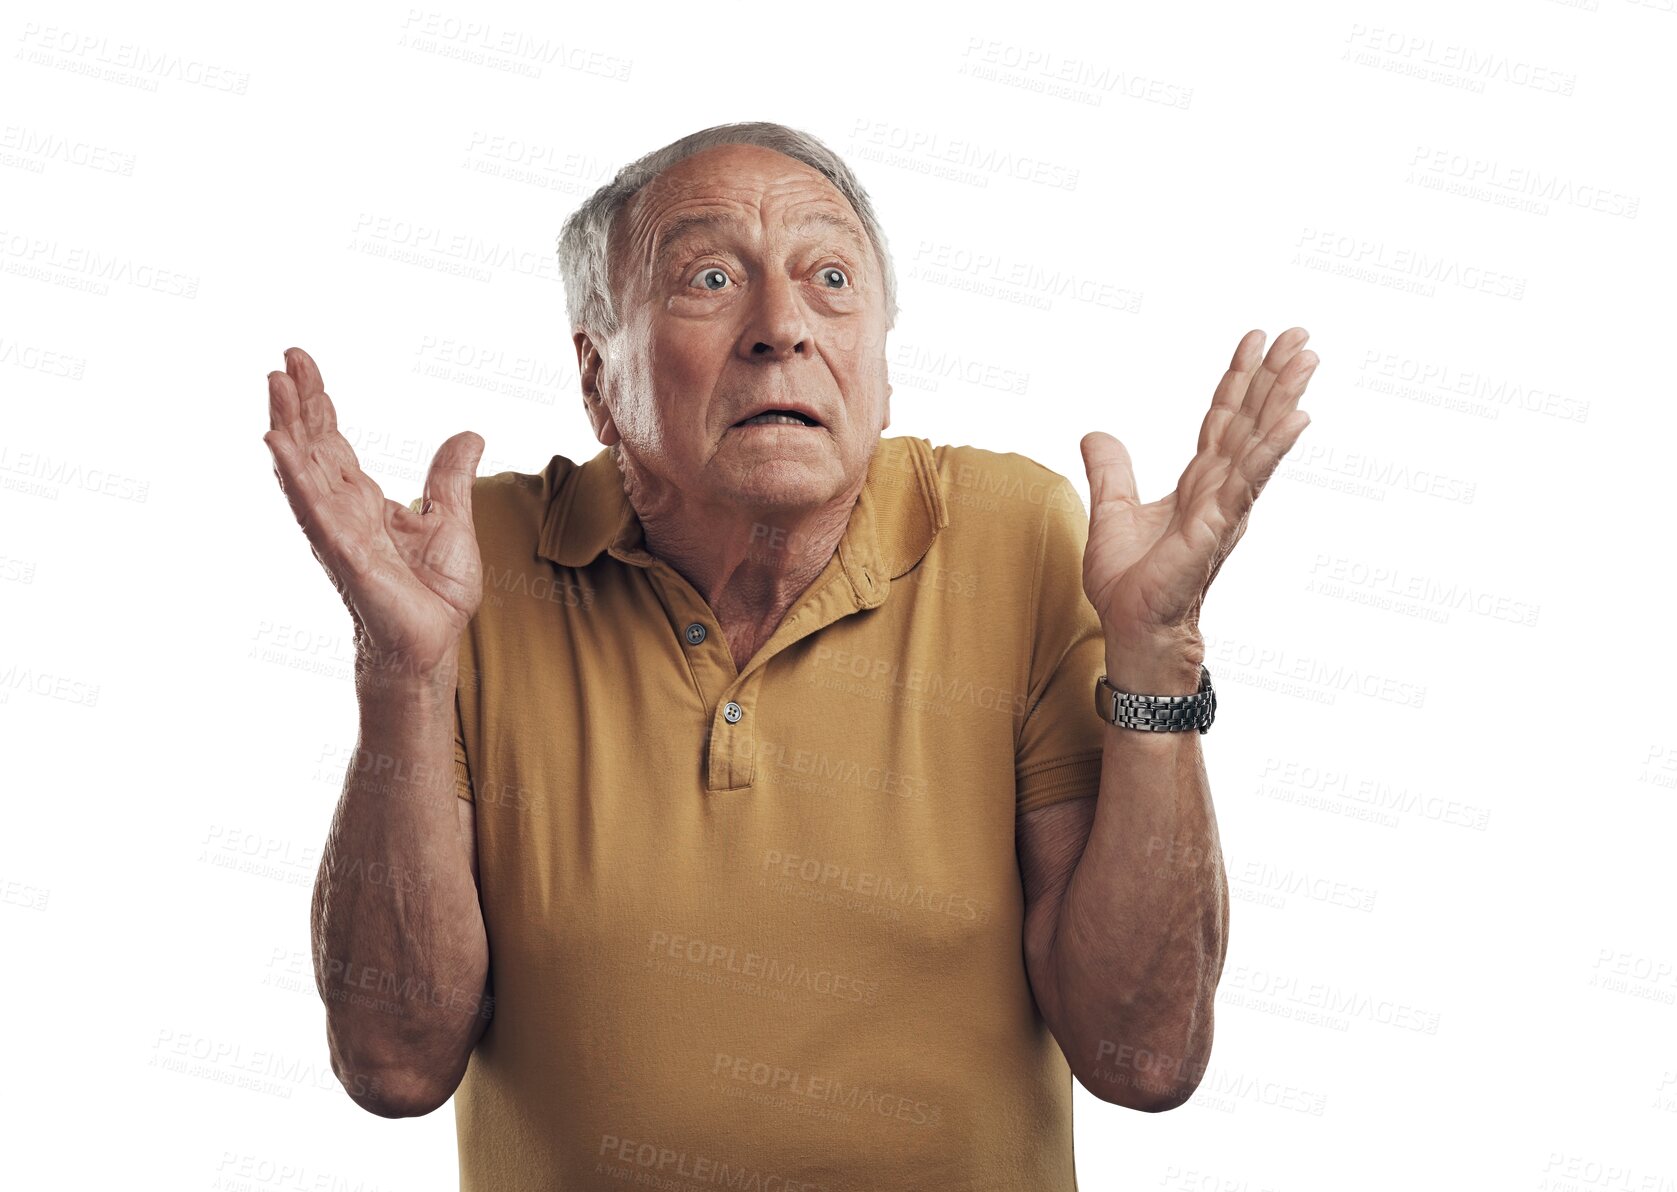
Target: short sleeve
[
  {"x": 1061, "y": 738},
  {"x": 462, "y": 774}
]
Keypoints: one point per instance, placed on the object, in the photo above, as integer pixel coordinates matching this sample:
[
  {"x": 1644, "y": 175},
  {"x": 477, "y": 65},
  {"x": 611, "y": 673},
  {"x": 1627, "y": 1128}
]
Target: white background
[{"x": 1445, "y": 756}]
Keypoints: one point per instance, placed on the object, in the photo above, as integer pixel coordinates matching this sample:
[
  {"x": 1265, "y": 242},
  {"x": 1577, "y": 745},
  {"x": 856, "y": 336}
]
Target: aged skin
[
  {"x": 1127, "y": 904},
  {"x": 402, "y": 966},
  {"x": 781, "y": 303},
  {"x": 744, "y": 282}
]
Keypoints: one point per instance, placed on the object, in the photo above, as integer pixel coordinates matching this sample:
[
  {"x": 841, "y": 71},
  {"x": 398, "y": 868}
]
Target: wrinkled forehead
[{"x": 716, "y": 188}]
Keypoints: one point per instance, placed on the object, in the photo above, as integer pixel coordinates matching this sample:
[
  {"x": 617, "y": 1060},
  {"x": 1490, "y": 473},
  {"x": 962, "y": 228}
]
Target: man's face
[{"x": 775, "y": 300}]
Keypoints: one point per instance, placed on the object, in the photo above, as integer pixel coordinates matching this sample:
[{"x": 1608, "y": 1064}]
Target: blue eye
[
  {"x": 832, "y": 269},
  {"x": 711, "y": 271}
]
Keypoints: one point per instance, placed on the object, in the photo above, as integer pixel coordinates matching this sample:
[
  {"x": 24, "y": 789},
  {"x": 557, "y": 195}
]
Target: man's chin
[{"x": 785, "y": 484}]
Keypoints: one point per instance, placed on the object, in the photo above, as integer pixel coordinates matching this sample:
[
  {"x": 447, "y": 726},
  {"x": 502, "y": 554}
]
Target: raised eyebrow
[
  {"x": 681, "y": 227},
  {"x": 822, "y": 217}
]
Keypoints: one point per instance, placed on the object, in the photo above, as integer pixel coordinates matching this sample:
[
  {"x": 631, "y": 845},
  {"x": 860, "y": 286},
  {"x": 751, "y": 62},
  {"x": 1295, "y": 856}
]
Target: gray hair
[{"x": 585, "y": 238}]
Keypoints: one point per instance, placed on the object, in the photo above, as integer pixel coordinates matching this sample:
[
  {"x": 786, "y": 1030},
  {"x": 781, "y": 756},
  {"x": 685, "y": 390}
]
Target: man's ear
[{"x": 590, "y": 362}]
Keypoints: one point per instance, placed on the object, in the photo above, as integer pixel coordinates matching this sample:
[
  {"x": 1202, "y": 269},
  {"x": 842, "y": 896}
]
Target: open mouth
[{"x": 779, "y": 418}]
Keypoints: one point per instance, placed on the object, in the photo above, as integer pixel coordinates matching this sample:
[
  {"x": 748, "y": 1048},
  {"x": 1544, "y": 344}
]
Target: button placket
[
  {"x": 704, "y": 653},
  {"x": 730, "y": 748},
  {"x": 851, "y": 581},
  {"x": 731, "y": 763}
]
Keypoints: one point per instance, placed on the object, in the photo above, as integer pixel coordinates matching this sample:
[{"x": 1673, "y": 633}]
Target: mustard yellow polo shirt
[{"x": 763, "y": 929}]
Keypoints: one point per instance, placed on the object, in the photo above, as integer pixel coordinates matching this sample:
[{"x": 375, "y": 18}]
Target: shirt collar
[{"x": 898, "y": 512}]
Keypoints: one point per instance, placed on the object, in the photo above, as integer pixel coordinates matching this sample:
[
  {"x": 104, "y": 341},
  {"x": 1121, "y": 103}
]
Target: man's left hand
[{"x": 1146, "y": 568}]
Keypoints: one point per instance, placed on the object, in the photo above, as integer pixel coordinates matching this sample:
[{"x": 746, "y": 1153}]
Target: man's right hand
[{"x": 411, "y": 580}]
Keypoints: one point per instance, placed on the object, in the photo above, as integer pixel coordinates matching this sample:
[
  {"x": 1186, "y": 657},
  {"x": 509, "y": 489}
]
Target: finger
[
  {"x": 318, "y": 415},
  {"x": 283, "y": 412},
  {"x": 309, "y": 471},
  {"x": 448, "y": 483},
  {"x": 1281, "y": 352},
  {"x": 1274, "y": 446},
  {"x": 306, "y": 489},
  {"x": 285, "y": 428},
  {"x": 1237, "y": 493},
  {"x": 1111, "y": 476},
  {"x": 1231, "y": 390},
  {"x": 1283, "y": 399},
  {"x": 312, "y": 420}
]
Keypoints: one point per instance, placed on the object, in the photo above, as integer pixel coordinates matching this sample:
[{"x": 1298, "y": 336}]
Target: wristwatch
[{"x": 1158, "y": 713}]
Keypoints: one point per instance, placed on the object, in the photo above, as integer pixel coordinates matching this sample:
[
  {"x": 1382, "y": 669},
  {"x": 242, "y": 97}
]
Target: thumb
[
  {"x": 1110, "y": 476},
  {"x": 448, "y": 484}
]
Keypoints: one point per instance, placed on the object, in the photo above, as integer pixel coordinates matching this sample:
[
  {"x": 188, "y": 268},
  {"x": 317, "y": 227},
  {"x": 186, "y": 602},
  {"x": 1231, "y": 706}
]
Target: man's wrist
[{"x": 1155, "y": 665}]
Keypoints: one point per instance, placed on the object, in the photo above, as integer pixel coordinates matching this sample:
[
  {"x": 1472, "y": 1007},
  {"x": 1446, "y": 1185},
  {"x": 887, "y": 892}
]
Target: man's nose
[{"x": 778, "y": 328}]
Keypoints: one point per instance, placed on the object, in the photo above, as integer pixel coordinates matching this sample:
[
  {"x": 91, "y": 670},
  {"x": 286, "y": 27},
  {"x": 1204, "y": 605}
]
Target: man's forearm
[
  {"x": 400, "y": 951},
  {"x": 1144, "y": 922}
]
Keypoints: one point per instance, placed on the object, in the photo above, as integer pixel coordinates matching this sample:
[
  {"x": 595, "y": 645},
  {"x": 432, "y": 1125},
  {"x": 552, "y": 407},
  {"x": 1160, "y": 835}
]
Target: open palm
[
  {"x": 410, "y": 580},
  {"x": 1146, "y": 568}
]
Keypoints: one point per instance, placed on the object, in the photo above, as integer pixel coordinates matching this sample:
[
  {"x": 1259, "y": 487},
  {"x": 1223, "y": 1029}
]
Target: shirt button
[
  {"x": 731, "y": 712},
  {"x": 695, "y": 633}
]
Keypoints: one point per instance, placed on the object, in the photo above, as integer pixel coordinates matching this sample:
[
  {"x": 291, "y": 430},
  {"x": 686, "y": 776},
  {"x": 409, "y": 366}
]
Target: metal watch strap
[{"x": 1157, "y": 713}]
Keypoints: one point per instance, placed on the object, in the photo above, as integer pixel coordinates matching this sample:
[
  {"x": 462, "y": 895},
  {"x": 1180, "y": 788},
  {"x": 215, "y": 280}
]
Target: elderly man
[{"x": 780, "y": 846}]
